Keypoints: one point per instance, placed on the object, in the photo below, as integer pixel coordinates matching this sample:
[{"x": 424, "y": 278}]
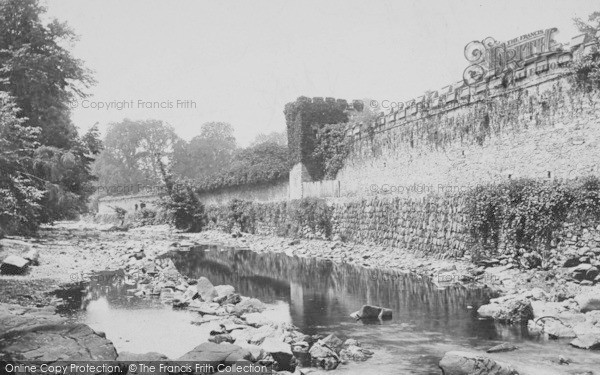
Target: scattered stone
[
  {"x": 466, "y": 363},
  {"x": 324, "y": 357},
  {"x": 281, "y": 353},
  {"x": 222, "y": 337},
  {"x": 368, "y": 312},
  {"x": 556, "y": 330},
  {"x": 588, "y": 301},
  {"x": 14, "y": 265},
  {"x": 517, "y": 311},
  {"x": 205, "y": 289},
  {"x": 224, "y": 290},
  {"x": 504, "y": 347},
  {"x": 249, "y": 305},
  {"x": 587, "y": 342},
  {"x": 216, "y": 353}
]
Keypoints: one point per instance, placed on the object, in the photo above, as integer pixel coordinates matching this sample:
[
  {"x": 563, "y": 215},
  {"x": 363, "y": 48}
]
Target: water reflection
[
  {"x": 317, "y": 296},
  {"x": 323, "y": 294}
]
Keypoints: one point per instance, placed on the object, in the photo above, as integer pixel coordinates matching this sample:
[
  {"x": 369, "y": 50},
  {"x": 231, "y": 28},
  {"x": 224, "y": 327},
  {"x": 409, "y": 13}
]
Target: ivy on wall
[
  {"x": 304, "y": 117},
  {"x": 525, "y": 214}
]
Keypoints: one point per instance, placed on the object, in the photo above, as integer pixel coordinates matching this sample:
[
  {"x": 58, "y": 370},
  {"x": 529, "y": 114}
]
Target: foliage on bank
[
  {"x": 526, "y": 214},
  {"x": 297, "y": 218}
]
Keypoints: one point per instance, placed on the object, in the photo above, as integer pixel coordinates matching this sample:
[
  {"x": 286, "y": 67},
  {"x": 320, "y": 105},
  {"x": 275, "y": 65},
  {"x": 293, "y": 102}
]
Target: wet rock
[
  {"x": 57, "y": 342},
  {"x": 216, "y": 353},
  {"x": 202, "y": 307},
  {"x": 32, "y": 256},
  {"x": 256, "y": 319},
  {"x": 249, "y": 305},
  {"x": 556, "y": 330},
  {"x": 205, "y": 289},
  {"x": 224, "y": 290},
  {"x": 324, "y": 357},
  {"x": 232, "y": 299},
  {"x": 588, "y": 301},
  {"x": 572, "y": 261},
  {"x": 385, "y": 313},
  {"x": 332, "y": 342},
  {"x": 355, "y": 353},
  {"x": 580, "y": 272},
  {"x": 281, "y": 353},
  {"x": 222, "y": 337},
  {"x": 504, "y": 347},
  {"x": 368, "y": 312},
  {"x": 14, "y": 265},
  {"x": 467, "y": 363},
  {"x": 517, "y": 310},
  {"x": 587, "y": 342}
]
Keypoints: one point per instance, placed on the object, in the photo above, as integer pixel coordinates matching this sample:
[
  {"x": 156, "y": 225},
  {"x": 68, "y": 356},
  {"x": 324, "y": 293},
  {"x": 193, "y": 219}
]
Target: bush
[{"x": 184, "y": 209}]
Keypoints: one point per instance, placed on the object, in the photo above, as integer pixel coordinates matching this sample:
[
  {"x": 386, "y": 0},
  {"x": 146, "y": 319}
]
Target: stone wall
[
  {"x": 275, "y": 191},
  {"x": 433, "y": 225},
  {"x": 541, "y": 129}
]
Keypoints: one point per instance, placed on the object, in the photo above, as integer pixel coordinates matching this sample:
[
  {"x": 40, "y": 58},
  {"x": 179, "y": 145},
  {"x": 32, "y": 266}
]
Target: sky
[{"x": 190, "y": 62}]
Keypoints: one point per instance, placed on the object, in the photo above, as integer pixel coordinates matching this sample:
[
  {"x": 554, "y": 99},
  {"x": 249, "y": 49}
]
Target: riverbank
[{"x": 68, "y": 251}]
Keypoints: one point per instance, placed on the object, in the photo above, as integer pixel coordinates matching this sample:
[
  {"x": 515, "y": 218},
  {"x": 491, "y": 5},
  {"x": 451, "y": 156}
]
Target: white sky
[{"x": 241, "y": 61}]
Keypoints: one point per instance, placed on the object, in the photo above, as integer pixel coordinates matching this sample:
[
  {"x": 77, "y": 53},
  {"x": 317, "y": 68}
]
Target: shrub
[{"x": 184, "y": 209}]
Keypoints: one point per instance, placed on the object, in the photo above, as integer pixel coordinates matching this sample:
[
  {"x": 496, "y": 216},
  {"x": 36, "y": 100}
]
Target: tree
[
  {"x": 39, "y": 71},
  {"x": 42, "y": 76},
  {"x": 207, "y": 153},
  {"x": 20, "y": 192},
  {"x": 591, "y": 27},
  {"x": 279, "y": 138},
  {"x": 133, "y": 152}
]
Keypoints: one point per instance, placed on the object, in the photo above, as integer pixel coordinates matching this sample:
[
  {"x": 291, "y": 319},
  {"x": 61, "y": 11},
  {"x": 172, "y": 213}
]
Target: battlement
[{"x": 543, "y": 66}]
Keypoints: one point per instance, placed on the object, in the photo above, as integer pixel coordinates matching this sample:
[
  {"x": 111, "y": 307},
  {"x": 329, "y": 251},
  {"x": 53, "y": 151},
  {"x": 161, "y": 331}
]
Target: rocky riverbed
[{"x": 553, "y": 302}]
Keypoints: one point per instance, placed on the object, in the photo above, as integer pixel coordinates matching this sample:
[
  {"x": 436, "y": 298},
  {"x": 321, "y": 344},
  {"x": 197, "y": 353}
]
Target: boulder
[
  {"x": 232, "y": 299},
  {"x": 369, "y": 312},
  {"x": 355, "y": 353},
  {"x": 205, "y": 289},
  {"x": 324, "y": 357},
  {"x": 332, "y": 342},
  {"x": 249, "y": 305},
  {"x": 588, "y": 301},
  {"x": 281, "y": 353},
  {"x": 14, "y": 265},
  {"x": 580, "y": 272},
  {"x": 467, "y": 363},
  {"x": 216, "y": 353},
  {"x": 556, "y": 330},
  {"x": 51, "y": 343},
  {"x": 224, "y": 290},
  {"x": 385, "y": 313},
  {"x": 513, "y": 310},
  {"x": 587, "y": 342}
]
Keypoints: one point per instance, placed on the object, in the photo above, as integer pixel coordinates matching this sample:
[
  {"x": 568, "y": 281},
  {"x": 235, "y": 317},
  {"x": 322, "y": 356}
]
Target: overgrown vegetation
[
  {"x": 44, "y": 163},
  {"x": 183, "y": 208},
  {"x": 302, "y": 217},
  {"x": 525, "y": 214},
  {"x": 303, "y": 118}
]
